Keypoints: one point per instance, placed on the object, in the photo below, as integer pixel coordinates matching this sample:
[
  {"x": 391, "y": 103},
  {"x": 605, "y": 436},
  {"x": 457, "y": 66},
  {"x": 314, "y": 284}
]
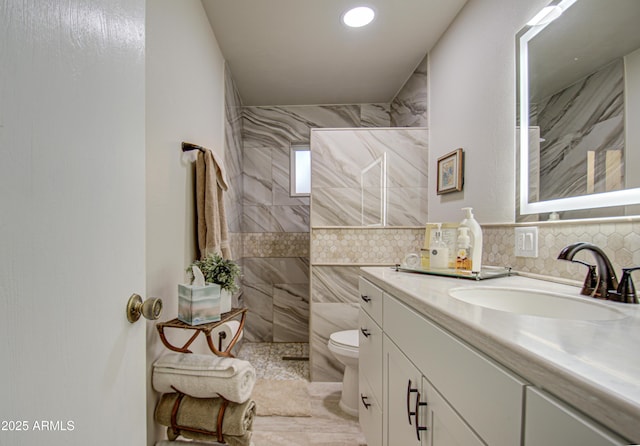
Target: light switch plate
[{"x": 527, "y": 242}]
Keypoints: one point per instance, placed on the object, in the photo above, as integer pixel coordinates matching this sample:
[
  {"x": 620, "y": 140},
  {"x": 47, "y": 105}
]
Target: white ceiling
[{"x": 297, "y": 52}]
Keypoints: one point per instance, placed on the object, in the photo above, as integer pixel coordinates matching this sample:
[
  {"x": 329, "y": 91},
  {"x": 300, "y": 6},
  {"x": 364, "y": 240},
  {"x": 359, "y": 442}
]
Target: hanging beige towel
[{"x": 212, "y": 220}]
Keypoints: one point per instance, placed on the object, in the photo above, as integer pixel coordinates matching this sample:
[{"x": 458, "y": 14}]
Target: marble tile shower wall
[
  {"x": 339, "y": 158},
  {"x": 410, "y": 106},
  {"x": 275, "y": 226}
]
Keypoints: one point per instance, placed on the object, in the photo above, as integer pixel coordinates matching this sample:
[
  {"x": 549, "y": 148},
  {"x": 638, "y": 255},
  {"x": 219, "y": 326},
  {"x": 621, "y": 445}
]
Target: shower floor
[{"x": 277, "y": 360}]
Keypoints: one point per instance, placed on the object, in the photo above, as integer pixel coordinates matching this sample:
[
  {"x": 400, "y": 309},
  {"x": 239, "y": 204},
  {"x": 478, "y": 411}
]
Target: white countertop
[{"x": 592, "y": 365}]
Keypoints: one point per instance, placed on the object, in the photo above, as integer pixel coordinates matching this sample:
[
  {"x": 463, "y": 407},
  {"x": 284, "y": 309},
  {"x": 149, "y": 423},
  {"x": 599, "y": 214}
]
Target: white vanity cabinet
[
  {"x": 370, "y": 362},
  {"x": 417, "y": 413},
  {"x": 421, "y": 385},
  {"x": 470, "y": 399},
  {"x": 550, "y": 422},
  {"x": 487, "y": 397}
]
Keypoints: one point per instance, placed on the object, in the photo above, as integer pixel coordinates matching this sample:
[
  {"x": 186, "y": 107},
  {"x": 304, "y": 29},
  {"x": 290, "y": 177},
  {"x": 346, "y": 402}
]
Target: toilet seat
[
  {"x": 345, "y": 342},
  {"x": 346, "y": 338}
]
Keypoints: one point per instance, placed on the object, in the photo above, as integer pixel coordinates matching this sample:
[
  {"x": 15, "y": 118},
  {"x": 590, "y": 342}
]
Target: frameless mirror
[{"x": 579, "y": 98}]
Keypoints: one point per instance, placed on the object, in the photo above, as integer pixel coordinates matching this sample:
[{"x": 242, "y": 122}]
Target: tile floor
[{"x": 328, "y": 425}]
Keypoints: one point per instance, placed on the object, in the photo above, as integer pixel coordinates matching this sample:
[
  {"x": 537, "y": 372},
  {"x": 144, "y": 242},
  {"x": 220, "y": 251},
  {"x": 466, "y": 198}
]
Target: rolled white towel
[{"x": 204, "y": 376}]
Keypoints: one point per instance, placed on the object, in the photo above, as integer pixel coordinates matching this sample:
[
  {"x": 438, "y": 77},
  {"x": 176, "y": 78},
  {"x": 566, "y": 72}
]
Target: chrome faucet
[{"x": 605, "y": 285}]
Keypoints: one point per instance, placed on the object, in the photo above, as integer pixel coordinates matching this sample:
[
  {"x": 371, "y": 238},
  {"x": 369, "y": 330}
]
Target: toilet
[{"x": 344, "y": 347}]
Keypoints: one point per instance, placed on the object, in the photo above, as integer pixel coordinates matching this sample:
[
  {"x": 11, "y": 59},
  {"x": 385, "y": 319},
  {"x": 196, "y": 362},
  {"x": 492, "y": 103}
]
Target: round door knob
[{"x": 150, "y": 308}]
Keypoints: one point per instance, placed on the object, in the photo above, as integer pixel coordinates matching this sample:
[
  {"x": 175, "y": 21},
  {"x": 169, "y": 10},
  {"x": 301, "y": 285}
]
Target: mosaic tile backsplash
[
  {"x": 363, "y": 245},
  {"x": 275, "y": 244},
  {"x": 619, "y": 239}
]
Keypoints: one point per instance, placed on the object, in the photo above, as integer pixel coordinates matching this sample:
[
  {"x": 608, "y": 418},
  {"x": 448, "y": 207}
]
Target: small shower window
[{"x": 300, "y": 170}]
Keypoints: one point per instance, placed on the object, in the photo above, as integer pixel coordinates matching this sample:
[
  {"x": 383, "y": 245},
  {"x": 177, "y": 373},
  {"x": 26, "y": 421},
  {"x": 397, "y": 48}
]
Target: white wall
[
  {"x": 472, "y": 105},
  {"x": 185, "y": 102}
]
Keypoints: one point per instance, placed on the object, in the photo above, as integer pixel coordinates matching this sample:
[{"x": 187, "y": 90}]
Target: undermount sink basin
[{"x": 536, "y": 303}]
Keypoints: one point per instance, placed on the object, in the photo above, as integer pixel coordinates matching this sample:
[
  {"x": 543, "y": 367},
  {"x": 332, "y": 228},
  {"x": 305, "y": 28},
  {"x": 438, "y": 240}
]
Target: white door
[{"x": 71, "y": 222}]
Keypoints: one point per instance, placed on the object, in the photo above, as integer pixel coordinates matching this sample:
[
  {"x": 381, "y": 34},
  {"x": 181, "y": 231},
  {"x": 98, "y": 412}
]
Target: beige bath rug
[{"x": 283, "y": 398}]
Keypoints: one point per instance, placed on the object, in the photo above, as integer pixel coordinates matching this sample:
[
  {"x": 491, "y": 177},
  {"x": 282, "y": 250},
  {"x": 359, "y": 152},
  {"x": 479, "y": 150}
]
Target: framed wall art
[{"x": 450, "y": 172}]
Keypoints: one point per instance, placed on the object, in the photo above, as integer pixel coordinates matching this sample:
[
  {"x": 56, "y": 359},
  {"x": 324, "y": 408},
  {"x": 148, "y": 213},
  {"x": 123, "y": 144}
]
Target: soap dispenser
[
  {"x": 476, "y": 239},
  {"x": 463, "y": 253},
  {"x": 438, "y": 251}
]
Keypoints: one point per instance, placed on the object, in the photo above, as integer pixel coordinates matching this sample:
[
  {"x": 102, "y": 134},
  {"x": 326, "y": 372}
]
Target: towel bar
[{"x": 187, "y": 147}]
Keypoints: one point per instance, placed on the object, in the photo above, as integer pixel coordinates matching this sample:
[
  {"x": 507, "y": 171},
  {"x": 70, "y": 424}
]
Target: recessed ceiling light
[{"x": 357, "y": 17}]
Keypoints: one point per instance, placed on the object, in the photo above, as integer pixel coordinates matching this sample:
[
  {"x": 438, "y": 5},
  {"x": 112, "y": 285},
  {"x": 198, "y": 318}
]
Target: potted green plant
[{"x": 224, "y": 272}]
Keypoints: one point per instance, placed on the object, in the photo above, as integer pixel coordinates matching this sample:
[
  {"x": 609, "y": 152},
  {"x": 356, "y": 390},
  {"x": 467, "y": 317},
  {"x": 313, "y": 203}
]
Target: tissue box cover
[{"x": 199, "y": 304}]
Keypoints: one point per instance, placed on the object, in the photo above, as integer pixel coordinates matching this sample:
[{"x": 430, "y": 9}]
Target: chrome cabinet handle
[
  {"x": 365, "y": 332},
  {"x": 364, "y": 401},
  {"x": 409, "y": 392},
  {"x": 365, "y": 298},
  {"x": 419, "y": 428}
]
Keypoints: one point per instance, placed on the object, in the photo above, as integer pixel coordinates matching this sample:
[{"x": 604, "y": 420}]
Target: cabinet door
[
  {"x": 445, "y": 427},
  {"x": 404, "y": 386},
  {"x": 370, "y": 416},
  {"x": 548, "y": 422}
]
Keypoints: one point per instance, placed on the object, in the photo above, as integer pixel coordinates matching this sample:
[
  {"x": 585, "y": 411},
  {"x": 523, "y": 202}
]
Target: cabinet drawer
[
  {"x": 469, "y": 379},
  {"x": 371, "y": 300},
  {"x": 370, "y": 417},
  {"x": 370, "y": 359},
  {"x": 549, "y": 422}
]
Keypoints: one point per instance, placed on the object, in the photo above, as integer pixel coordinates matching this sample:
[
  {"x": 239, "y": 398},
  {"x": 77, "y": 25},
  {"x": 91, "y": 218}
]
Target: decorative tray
[{"x": 487, "y": 272}]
